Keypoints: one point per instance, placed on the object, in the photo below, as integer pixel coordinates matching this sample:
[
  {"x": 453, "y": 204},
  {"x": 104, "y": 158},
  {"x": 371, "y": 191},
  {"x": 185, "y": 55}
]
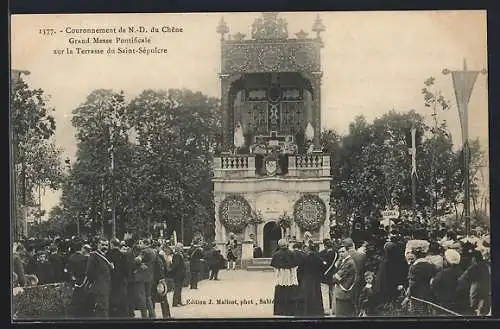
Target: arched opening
[{"x": 272, "y": 233}]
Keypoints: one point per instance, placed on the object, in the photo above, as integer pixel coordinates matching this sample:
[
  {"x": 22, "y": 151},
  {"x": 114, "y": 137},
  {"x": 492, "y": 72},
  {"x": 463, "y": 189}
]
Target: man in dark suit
[
  {"x": 118, "y": 306},
  {"x": 159, "y": 289},
  {"x": 359, "y": 262},
  {"x": 98, "y": 274},
  {"x": 329, "y": 257},
  {"x": 177, "y": 273},
  {"x": 57, "y": 262},
  {"x": 213, "y": 261},
  {"x": 195, "y": 265},
  {"x": 76, "y": 268},
  {"x": 344, "y": 281},
  {"x": 148, "y": 256}
]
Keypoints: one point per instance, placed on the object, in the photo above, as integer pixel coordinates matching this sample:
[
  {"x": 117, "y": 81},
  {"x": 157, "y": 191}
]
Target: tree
[
  {"x": 88, "y": 191},
  {"x": 176, "y": 136},
  {"x": 36, "y": 159},
  {"x": 371, "y": 165}
]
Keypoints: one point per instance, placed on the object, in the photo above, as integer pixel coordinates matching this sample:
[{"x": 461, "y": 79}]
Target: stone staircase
[{"x": 259, "y": 264}]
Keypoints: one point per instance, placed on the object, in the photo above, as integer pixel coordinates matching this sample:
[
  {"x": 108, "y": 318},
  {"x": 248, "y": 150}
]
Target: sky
[{"x": 372, "y": 62}]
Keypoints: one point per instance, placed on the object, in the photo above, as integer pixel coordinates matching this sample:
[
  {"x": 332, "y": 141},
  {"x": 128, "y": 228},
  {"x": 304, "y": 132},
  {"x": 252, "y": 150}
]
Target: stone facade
[
  {"x": 271, "y": 128},
  {"x": 271, "y": 196}
]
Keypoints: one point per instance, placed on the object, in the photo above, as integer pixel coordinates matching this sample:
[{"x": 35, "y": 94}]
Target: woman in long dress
[{"x": 285, "y": 265}]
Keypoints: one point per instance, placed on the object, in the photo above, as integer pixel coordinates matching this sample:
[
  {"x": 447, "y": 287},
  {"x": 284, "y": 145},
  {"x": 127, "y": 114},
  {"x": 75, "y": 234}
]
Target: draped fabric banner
[{"x": 463, "y": 82}]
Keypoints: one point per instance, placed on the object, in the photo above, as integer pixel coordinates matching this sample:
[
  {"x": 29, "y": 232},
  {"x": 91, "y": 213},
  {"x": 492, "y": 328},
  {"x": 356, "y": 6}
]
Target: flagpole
[
  {"x": 413, "y": 173},
  {"x": 463, "y": 83}
]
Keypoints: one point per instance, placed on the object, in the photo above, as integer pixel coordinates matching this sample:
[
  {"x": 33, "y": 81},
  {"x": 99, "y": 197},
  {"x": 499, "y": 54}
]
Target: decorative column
[
  {"x": 226, "y": 120},
  {"x": 220, "y": 230},
  {"x": 316, "y": 87},
  {"x": 227, "y": 81}
]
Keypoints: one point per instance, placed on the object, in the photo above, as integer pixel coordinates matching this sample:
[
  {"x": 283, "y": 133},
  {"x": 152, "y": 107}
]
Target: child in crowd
[{"x": 366, "y": 294}]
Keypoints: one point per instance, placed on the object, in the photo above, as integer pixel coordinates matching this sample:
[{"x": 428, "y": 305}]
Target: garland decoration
[
  {"x": 234, "y": 213},
  {"x": 256, "y": 217},
  {"x": 285, "y": 221},
  {"x": 309, "y": 212}
]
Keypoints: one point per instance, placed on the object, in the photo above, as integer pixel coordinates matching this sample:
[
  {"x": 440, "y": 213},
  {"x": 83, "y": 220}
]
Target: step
[{"x": 260, "y": 268}]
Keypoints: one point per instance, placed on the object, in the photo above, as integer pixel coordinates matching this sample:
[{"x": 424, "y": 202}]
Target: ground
[{"x": 251, "y": 291}]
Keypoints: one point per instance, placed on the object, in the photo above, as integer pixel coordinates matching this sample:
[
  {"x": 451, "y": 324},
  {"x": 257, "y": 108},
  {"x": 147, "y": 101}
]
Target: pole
[
  {"x": 414, "y": 196},
  {"x": 413, "y": 151},
  {"x": 463, "y": 83},
  {"x": 78, "y": 226},
  {"x": 113, "y": 192},
  {"x": 467, "y": 187}
]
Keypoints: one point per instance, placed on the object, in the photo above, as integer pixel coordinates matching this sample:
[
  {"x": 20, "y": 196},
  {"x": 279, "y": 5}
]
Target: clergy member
[{"x": 285, "y": 266}]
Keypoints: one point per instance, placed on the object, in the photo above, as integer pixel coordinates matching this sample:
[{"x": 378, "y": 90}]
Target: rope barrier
[{"x": 435, "y": 305}]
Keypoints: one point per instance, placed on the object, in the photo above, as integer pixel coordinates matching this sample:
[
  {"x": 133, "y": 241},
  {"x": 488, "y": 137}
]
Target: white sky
[{"x": 372, "y": 62}]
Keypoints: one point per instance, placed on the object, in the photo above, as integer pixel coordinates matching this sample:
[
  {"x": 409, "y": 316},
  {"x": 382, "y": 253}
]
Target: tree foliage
[
  {"x": 36, "y": 159},
  {"x": 371, "y": 164},
  {"x": 162, "y": 146}
]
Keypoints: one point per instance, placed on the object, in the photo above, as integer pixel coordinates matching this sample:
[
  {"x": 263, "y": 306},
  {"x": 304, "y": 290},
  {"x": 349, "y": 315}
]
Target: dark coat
[
  {"x": 444, "y": 287},
  {"x": 392, "y": 272},
  {"x": 310, "y": 296},
  {"x": 476, "y": 281},
  {"x": 300, "y": 256},
  {"x": 77, "y": 267},
  {"x": 329, "y": 257},
  {"x": 99, "y": 273},
  {"x": 44, "y": 272},
  {"x": 120, "y": 272},
  {"x": 366, "y": 299},
  {"x": 195, "y": 259},
  {"x": 419, "y": 277},
  {"x": 148, "y": 258},
  {"x": 345, "y": 279},
  {"x": 178, "y": 268},
  {"x": 212, "y": 257},
  {"x": 56, "y": 260}
]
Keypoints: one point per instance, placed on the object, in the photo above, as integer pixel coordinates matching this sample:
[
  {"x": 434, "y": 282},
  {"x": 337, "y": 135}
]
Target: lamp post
[
  {"x": 463, "y": 83},
  {"x": 19, "y": 222}
]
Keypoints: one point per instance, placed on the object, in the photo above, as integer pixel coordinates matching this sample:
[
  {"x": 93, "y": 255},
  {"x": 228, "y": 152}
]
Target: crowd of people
[
  {"x": 442, "y": 274},
  {"x": 371, "y": 272},
  {"x": 115, "y": 279}
]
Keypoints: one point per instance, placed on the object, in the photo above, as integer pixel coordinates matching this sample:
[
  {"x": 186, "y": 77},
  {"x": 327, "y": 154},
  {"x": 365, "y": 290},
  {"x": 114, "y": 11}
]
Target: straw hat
[{"x": 452, "y": 256}]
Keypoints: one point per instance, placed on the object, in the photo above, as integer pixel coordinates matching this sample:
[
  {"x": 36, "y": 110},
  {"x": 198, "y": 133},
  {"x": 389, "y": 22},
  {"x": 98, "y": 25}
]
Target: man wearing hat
[
  {"x": 445, "y": 283},
  {"x": 195, "y": 264},
  {"x": 76, "y": 267},
  {"x": 177, "y": 273},
  {"x": 98, "y": 274},
  {"x": 118, "y": 299}
]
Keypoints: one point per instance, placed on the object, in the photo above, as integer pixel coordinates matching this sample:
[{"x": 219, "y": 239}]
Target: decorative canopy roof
[{"x": 270, "y": 27}]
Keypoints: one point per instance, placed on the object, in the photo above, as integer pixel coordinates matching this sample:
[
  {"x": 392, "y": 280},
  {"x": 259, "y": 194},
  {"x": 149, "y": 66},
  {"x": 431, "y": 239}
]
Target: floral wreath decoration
[
  {"x": 239, "y": 222},
  {"x": 306, "y": 206}
]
